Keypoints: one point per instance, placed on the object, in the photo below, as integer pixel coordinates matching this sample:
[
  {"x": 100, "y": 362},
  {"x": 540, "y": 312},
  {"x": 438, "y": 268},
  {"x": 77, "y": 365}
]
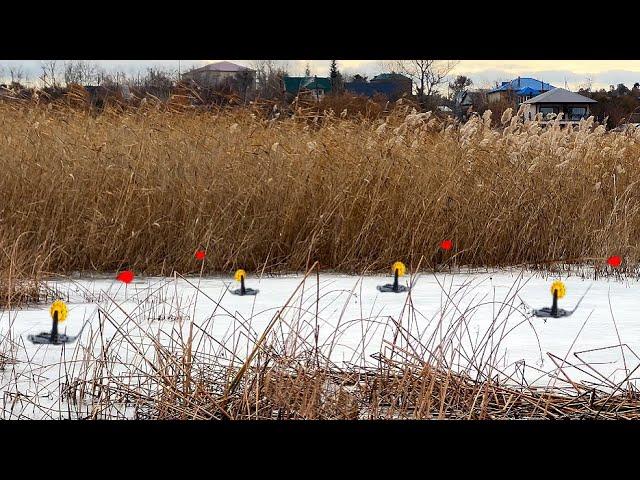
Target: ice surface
[{"x": 481, "y": 302}]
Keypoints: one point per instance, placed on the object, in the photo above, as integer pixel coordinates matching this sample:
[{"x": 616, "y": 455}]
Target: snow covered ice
[{"x": 353, "y": 320}]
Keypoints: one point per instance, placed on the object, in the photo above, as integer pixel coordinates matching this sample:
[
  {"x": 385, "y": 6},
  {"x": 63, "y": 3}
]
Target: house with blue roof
[
  {"x": 391, "y": 85},
  {"x": 518, "y": 90}
]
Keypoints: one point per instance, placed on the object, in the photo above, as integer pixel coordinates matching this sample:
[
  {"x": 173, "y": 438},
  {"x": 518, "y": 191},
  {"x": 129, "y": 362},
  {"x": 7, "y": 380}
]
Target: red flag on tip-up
[
  {"x": 446, "y": 245},
  {"x": 614, "y": 261},
  {"x": 200, "y": 254},
  {"x": 125, "y": 276}
]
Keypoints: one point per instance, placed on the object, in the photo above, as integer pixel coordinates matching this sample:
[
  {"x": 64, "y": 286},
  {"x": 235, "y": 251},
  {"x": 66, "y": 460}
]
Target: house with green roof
[{"x": 310, "y": 87}]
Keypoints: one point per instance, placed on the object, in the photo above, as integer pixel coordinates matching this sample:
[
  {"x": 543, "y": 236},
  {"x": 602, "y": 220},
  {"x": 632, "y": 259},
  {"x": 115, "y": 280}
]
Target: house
[
  {"x": 518, "y": 90},
  {"x": 219, "y": 74},
  {"x": 573, "y": 106},
  {"x": 402, "y": 85},
  {"x": 463, "y": 100},
  {"x": 391, "y": 85},
  {"x": 469, "y": 101},
  {"x": 368, "y": 89},
  {"x": 311, "y": 87}
]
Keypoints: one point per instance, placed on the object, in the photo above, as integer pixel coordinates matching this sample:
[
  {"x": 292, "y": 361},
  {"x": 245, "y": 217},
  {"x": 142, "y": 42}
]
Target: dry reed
[{"x": 144, "y": 188}]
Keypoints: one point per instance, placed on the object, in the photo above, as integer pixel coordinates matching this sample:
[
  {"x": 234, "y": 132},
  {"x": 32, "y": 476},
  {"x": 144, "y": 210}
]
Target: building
[
  {"x": 518, "y": 90},
  {"x": 463, "y": 100},
  {"x": 314, "y": 88},
  {"x": 223, "y": 74},
  {"x": 573, "y": 106},
  {"x": 391, "y": 85},
  {"x": 402, "y": 85},
  {"x": 368, "y": 89},
  {"x": 468, "y": 101}
]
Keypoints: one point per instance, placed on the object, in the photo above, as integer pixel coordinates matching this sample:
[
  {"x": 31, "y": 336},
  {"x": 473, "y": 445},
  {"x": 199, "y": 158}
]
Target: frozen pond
[{"x": 461, "y": 310}]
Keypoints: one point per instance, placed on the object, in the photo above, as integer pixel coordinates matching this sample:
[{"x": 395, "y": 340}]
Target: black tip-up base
[
  {"x": 46, "y": 338},
  {"x": 390, "y": 288},
  {"x": 247, "y": 291},
  {"x": 547, "y": 312}
]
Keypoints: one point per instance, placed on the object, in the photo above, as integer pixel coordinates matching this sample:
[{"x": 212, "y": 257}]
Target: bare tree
[
  {"x": 80, "y": 72},
  {"x": 428, "y": 75},
  {"x": 17, "y": 74},
  {"x": 157, "y": 82},
  {"x": 50, "y": 73},
  {"x": 269, "y": 75}
]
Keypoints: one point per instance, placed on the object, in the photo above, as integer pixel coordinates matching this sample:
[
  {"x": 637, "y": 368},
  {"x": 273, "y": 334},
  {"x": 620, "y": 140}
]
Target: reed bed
[
  {"x": 296, "y": 366},
  {"x": 144, "y": 188}
]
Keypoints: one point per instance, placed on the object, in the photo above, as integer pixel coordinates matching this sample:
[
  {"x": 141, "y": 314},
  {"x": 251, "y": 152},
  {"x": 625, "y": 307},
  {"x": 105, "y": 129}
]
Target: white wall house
[
  {"x": 216, "y": 74},
  {"x": 573, "y": 106}
]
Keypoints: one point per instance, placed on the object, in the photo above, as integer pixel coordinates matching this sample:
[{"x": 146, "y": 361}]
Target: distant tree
[
  {"x": 337, "y": 83},
  {"x": 428, "y": 75},
  {"x": 156, "y": 82},
  {"x": 614, "y": 107},
  {"x": 269, "y": 77},
  {"x": 359, "y": 78},
  {"x": 17, "y": 74},
  {"x": 81, "y": 72},
  {"x": 50, "y": 73},
  {"x": 621, "y": 89},
  {"x": 307, "y": 70},
  {"x": 459, "y": 85}
]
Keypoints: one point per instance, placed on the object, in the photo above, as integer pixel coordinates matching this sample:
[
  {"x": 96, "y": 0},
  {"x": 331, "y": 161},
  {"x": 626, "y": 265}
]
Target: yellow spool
[
  {"x": 400, "y": 267},
  {"x": 60, "y": 307},
  {"x": 559, "y": 286},
  {"x": 239, "y": 274}
]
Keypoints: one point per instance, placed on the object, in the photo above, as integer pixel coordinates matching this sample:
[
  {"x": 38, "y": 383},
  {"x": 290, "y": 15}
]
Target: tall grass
[{"x": 145, "y": 188}]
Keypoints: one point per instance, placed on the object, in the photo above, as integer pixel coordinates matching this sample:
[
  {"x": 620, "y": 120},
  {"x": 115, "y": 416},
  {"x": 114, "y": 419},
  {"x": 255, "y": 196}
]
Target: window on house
[
  {"x": 576, "y": 113},
  {"x": 547, "y": 110}
]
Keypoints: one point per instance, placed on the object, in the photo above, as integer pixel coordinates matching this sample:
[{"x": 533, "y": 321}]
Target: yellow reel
[
  {"x": 239, "y": 274},
  {"x": 559, "y": 287},
  {"x": 402, "y": 269},
  {"x": 60, "y": 307}
]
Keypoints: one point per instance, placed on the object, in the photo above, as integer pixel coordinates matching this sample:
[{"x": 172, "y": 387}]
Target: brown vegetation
[{"x": 146, "y": 187}]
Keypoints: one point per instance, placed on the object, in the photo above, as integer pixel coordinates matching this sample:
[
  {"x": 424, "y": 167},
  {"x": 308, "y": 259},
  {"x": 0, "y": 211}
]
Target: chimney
[{"x": 518, "y": 81}]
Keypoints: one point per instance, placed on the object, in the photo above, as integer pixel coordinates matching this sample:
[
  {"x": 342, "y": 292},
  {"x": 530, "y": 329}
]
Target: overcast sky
[{"x": 484, "y": 73}]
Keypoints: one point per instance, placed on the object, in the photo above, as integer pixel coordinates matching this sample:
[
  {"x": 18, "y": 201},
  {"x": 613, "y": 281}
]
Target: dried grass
[{"x": 146, "y": 187}]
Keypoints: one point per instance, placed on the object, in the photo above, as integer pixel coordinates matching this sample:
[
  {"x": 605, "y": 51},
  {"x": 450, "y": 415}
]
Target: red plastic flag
[
  {"x": 446, "y": 245},
  {"x": 614, "y": 261},
  {"x": 200, "y": 254},
  {"x": 126, "y": 276}
]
